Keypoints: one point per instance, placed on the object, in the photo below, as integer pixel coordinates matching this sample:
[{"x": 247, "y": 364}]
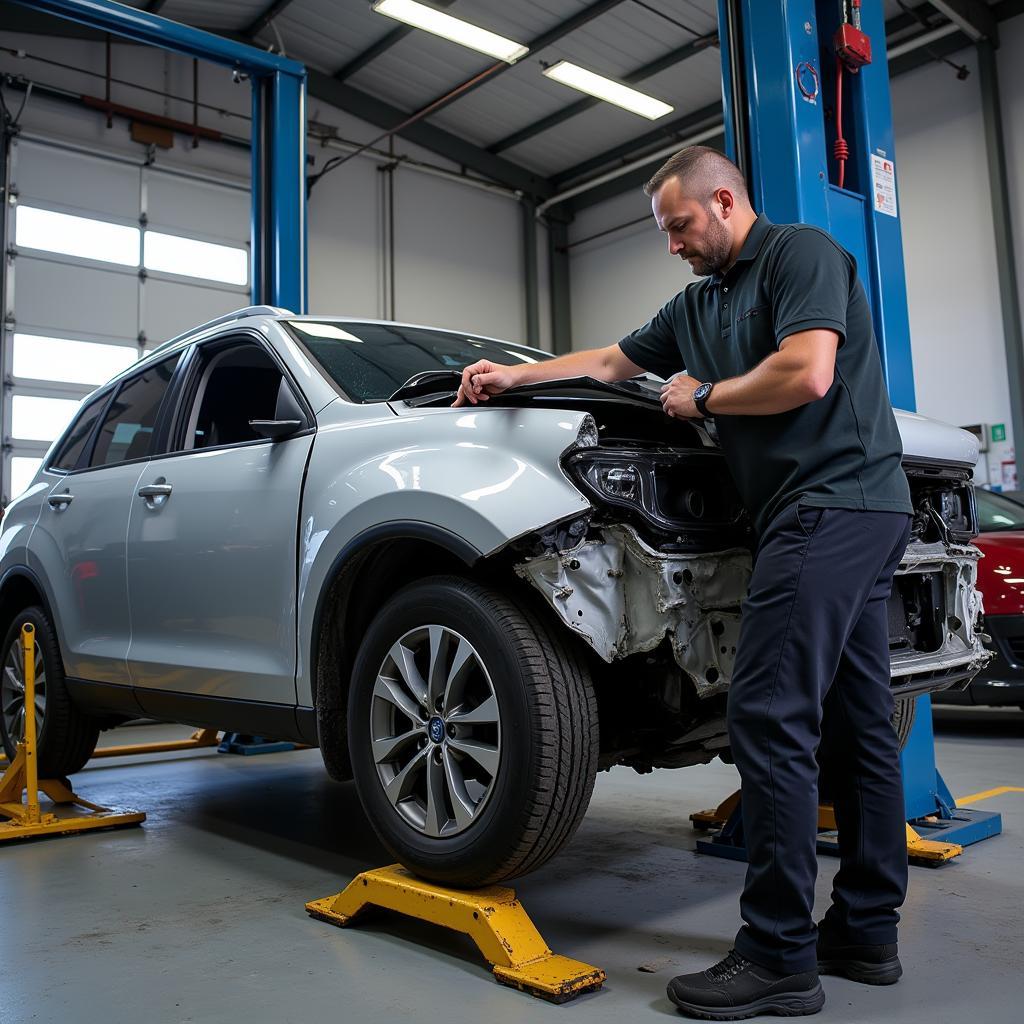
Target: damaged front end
[{"x": 653, "y": 581}]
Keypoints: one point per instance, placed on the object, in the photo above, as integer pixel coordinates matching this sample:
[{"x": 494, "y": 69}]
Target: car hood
[{"x": 924, "y": 439}]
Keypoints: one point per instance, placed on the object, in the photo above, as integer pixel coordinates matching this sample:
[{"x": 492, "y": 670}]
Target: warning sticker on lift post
[{"x": 883, "y": 185}]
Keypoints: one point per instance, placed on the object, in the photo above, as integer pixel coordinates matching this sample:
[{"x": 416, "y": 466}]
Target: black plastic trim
[
  {"x": 33, "y": 577},
  {"x": 255, "y": 718},
  {"x": 929, "y": 682},
  {"x": 106, "y": 698}
]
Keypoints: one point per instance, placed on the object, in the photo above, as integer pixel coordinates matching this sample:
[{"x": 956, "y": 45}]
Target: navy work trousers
[{"x": 812, "y": 671}]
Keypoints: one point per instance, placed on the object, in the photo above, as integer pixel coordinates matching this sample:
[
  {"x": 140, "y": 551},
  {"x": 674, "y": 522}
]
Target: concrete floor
[{"x": 198, "y": 915}]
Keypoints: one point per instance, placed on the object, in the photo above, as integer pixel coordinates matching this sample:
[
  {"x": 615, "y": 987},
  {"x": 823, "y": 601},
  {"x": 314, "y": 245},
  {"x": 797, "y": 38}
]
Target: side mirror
[
  {"x": 288, "y": 416},
  {"x": 276, "y": 430}
]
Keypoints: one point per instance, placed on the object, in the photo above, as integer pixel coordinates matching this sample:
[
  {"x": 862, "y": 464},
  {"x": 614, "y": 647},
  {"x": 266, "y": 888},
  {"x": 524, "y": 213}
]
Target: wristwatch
[{"x": 701, "y": 395}]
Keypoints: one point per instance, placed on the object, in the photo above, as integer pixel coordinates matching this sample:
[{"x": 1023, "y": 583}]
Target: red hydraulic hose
[{"x": 841, "y": 148}]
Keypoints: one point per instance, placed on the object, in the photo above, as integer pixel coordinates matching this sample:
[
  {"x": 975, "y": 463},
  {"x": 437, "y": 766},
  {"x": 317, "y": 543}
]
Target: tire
[
  {"x": 545, "y": 732},
  {"x": 904, "y": 712},
  {"x": 66, "y": 737}
]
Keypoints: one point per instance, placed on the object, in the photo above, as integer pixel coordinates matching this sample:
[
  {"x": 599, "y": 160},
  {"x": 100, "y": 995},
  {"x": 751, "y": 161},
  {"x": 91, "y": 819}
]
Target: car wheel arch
[
  {"x": 21, "y": 588},
  {"x": 373, "y": 565}
]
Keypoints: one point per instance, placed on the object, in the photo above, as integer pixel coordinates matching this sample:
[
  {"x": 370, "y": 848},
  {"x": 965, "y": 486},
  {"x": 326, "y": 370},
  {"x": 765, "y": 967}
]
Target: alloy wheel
[
  {"x": 435, "y": 730},
  {"x": 12, "y": 692}
]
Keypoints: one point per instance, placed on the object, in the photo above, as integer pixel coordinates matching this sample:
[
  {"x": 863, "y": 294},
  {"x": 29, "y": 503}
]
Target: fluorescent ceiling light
[
  {"x": 432, "y": 20},
  {"x": 605, "y": 89}
]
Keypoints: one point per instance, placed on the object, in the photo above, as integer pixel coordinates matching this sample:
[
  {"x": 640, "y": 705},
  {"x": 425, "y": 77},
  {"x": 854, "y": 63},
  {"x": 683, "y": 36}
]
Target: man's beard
[{"x": 716, "y": 245}]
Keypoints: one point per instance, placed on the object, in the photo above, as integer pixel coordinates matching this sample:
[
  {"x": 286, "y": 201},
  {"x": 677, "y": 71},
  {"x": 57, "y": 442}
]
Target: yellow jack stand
[
  {"x": 492, "y": 917},
  {"x": 26, "y": 820}
]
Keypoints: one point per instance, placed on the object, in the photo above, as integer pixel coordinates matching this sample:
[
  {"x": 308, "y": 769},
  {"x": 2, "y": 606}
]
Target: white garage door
[{"x": 109, "y": 259}]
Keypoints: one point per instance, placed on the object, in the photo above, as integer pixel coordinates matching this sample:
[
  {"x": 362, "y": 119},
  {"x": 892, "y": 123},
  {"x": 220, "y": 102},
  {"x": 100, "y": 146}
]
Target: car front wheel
[{"x": 472, "y": 732}]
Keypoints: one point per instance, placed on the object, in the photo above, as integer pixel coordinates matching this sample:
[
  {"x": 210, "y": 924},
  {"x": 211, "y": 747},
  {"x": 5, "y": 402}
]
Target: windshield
[
  {"x": 997, "y": 512},
  {"x": 370, "y": 362}
]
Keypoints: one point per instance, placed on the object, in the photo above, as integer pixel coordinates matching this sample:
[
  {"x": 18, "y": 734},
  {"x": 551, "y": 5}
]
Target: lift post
[
  {"x": 27, "y": 820},
  {"x": 775, "y": 96}
]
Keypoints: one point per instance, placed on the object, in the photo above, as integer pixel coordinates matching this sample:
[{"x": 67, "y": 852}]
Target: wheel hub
[{"x": 435, "y": 730}]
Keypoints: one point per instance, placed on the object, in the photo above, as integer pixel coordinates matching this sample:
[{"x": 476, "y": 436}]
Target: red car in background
[{"x": 1001, "y": 582}]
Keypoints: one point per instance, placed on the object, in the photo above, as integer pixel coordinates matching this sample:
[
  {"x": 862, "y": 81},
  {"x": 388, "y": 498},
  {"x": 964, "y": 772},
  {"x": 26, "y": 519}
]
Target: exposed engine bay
[{"x": 654, "y": 577}]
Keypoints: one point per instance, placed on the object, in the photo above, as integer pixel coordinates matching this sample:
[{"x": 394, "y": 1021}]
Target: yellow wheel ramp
[{"x": 492, "y": 917}]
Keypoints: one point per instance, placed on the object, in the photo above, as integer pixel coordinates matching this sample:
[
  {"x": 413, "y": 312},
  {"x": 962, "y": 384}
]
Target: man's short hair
[{"x": 702, "y": 171}]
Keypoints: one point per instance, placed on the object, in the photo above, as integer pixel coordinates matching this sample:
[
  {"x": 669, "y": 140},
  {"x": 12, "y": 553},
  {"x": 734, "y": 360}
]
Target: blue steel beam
[{"x": 278, "y": 255}]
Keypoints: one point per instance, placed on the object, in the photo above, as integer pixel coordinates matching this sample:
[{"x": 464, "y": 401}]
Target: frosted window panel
[
  {"x": 77, "y": 236},
  {"x": 22, "y": 471},
  {"x": 192, "y": 258},
  {"x": 40, "y": 419},
  {"x": 68, "y": 361}
]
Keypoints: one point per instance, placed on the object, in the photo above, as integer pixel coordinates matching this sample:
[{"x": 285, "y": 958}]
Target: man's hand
[
  {"x": 677, "y": 397},
  {"x": 482, "y": 380}
]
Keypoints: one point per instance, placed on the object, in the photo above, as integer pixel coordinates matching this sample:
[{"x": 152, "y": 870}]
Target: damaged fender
[{"x": 624, "y": 597}]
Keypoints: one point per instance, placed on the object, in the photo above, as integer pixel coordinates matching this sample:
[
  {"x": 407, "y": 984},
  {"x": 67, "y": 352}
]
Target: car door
[
  {"x": 78, "y": 545},
  {"x": 213, "y": 535}
]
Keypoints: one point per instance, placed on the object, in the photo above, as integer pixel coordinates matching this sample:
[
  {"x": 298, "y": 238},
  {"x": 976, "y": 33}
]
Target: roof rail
[{"x": 238, "y": 314}]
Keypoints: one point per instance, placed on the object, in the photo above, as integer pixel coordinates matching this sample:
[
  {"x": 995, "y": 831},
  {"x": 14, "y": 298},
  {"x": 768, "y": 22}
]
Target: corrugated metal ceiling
[{"x": 419, "y": 68}]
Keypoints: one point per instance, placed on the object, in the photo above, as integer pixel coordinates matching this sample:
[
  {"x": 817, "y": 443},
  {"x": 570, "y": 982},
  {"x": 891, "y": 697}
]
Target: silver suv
[{"x": 278, "y": 525}]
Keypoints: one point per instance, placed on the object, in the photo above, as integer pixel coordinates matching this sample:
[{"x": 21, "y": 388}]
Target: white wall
[
  {"x": 949, "y": 243},
  {"x": 458, "y": 250},
  {"x": 619, "y": 281}
]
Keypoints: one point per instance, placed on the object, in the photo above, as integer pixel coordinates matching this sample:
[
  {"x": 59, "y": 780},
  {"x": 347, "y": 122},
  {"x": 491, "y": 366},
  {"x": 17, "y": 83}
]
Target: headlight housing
[{"x": 688, "y": 494}]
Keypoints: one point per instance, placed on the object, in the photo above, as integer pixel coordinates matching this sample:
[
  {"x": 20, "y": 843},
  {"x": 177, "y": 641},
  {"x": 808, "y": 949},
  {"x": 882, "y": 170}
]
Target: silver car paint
[
  {"x": 486, "y": 475},
  {"x": 925, "y": 438},
  {"x": 212, "y": 569},
  {"x": 80, "y": 554}
]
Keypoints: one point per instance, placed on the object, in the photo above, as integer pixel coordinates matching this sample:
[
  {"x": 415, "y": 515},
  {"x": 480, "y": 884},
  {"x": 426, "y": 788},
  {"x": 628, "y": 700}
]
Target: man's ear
[{"x": 726, "y": 200}]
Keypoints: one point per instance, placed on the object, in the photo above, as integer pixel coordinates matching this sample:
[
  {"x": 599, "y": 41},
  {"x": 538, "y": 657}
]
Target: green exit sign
[{"x": 998, "y": 431}]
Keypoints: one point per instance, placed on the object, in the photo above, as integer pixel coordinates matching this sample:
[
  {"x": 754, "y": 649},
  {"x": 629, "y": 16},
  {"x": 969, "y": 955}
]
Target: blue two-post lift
[
  {"x": 278, "y": 251},
  {"x": 780, "y": 66}
]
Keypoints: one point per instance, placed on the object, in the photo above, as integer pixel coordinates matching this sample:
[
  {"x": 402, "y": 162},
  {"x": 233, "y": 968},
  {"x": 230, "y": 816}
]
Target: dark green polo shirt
[{"x": 841, "y": 451}]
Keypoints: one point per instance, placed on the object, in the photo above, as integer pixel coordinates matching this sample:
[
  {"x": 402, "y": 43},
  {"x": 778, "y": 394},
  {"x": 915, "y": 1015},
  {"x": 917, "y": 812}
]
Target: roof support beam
[
  {"x": 670, "y": 59},
  {"x": 268, "y": 15},
  {"x": 974, "y": 18},
  {"x": 541, "y": 42},
  {"x": 452, "y": 147},
  {"x": 705, "y": 117},
  {"x": 371, "y": 53}
]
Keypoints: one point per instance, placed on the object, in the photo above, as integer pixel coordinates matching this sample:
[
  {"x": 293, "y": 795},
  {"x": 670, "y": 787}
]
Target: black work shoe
[
  {"x": 736, "y": 989},
  {"x": 869, "y": 964}
]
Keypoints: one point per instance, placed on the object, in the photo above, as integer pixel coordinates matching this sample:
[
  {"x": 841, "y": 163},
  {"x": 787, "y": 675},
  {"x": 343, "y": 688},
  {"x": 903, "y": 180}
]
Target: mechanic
[{"x": 776, "y": 343}]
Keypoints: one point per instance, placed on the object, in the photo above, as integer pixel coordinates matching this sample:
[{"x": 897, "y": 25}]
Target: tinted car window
[
  {"x": 996, "y": 512},
  {"x": 81, "y": 430},
  {"x": 127, "y": 428},
  {"x": 370, "y": 362},
  {"x": 236, "y": 385}
]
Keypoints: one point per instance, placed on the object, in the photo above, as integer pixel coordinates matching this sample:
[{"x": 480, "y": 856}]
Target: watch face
[{"x": 703, "y": 391}]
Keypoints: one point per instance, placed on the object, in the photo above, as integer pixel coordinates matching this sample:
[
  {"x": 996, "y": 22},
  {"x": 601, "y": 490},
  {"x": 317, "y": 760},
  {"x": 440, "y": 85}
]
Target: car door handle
[
  {"x": 155, "y": 491},
  {"x": 59, "y": 502}
]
